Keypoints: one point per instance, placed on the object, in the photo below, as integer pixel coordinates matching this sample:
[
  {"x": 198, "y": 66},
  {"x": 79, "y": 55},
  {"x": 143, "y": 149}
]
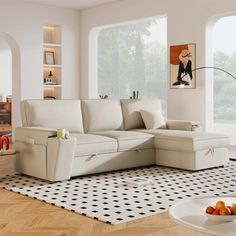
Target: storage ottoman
[{"x": 191, "y": 150}]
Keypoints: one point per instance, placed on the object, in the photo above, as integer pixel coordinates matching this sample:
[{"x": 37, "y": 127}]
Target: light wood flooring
[{"x": 23, "y": 216}]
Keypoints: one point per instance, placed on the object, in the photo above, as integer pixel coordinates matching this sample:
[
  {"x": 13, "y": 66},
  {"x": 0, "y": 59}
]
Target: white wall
[
  {"x": 5, "y": 69},
  {"x": 24, "y": 22},
  {"x": 187, "y": 20}
]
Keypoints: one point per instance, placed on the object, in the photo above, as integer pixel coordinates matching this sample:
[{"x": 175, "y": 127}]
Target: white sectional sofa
[{"x": 108, "y": 135}]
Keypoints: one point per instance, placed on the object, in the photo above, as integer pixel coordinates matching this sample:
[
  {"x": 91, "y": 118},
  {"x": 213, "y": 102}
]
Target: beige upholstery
[
  {"x": 32, "y": 159},
  {"x": 199, "y": 160},
  {"x": 33, "y": 135},
  {"x": 153, "y": 119},
  {"x": 190, "y": 141},
  {"x": 112, "y": 161},
  {"x": 91, "y": 164},
  {"x": 60, "y": 153},
  {"x": 131, "y": 111},
  {"x": 89, "y": 144},
  {"x": 102, "y": 114},
  {"x": 53, "y": 113},
  {"x": 106, "y": 145},
  {"x": 156, "y": 132},
  {"x": 183, "y": 125},
  {"x": 128, "y": 140},
  {"x": 191, "y": 150}
]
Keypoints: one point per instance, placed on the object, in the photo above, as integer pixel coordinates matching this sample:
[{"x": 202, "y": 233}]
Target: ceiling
[{"x": 75, "y": 4}]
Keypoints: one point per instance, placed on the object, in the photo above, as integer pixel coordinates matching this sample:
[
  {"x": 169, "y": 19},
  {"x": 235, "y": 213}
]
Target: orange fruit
[
  {"x": 219, "y": 204},
  {"x": 224, "y": 211},
  {"x": 233, "y": 210}
]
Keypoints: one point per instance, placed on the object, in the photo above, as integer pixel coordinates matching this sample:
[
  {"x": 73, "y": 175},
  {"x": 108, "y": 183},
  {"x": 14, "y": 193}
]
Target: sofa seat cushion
[
  {"x": 158, "y": 131},
  {"x": 89, "y": 144},
  {"x": 128, "y": 140},
  {"x": 185, "y": 141}
]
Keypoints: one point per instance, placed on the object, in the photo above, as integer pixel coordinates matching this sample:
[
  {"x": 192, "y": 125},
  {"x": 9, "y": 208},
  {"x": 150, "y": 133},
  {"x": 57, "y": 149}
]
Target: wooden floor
[{"x": 23, "y": 216}]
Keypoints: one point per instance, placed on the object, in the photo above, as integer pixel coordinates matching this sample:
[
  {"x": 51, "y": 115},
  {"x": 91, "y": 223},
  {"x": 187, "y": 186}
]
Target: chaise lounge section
[{"x": 107, "y": 135}]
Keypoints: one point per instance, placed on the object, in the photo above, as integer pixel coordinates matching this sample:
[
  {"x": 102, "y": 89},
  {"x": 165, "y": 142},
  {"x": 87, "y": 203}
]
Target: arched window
[
  {"x": 131, "y": 57},
  {"x": 224, "y": 48}
]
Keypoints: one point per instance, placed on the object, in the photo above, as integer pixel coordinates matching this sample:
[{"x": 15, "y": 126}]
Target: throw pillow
[{"x": 153, "y": 119}]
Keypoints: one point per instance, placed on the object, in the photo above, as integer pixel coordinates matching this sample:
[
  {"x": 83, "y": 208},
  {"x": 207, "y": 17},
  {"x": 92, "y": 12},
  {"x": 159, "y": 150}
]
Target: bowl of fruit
[{"x": 221, "y": 212}]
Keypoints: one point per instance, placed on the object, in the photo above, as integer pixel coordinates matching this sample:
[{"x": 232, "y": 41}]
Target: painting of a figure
[{"x": 182, "y": 63}]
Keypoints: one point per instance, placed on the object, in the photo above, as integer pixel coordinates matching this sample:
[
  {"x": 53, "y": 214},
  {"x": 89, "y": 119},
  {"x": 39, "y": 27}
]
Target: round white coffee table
[{"x": 191, "y": 213}]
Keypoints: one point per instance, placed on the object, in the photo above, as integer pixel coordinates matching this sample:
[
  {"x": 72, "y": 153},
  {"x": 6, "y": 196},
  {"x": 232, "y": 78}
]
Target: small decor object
[
  {"x": 182, "y": 62},
  {"x": 135, "y": 95},
  {"x": 49, "y": 79},
  {"x": 103, "y": 96},
  {"x": 49, "y": 97},
  {"x": 63, "y": 133},
  {"x": 9, "y": 98},
  {"x": 49, "y": 58},
  {"x": 220, "y": 209},
  {"x": 4, "y": 143}
]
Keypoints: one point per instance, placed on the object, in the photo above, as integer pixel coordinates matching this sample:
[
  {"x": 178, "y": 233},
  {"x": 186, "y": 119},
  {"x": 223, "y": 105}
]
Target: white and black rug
[{"x": 106, "y": 197}]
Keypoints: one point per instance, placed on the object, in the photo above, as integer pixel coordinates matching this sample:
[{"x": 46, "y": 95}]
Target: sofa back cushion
[
  {"x": 53, "y": 114},
  {"x": 102, "y": 114},
  {"x": 131, "y": 111}
]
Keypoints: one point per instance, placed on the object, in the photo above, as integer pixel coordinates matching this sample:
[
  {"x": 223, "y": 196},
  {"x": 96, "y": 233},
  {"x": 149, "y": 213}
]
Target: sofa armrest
[
  {"x": 34, "y": 135},
  {"x": 60, "y": 156},
  {"x": 183, "y": 125}
]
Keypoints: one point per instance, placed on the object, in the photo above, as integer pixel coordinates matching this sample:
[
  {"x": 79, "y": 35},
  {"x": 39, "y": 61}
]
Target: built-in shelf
[
  {"x": 52, "y": 72},
  {"x": 51, "y": 45},
  {"x": 52, "y": 66},
  {"x": 5, "y": 118},
  {"x": 52, "y": 85}
]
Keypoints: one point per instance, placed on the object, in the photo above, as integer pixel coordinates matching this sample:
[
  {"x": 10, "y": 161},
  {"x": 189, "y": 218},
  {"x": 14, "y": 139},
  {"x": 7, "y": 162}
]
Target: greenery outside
[
  {"x": 224, "y": 88},
  {"x": 129, "y": 60}
]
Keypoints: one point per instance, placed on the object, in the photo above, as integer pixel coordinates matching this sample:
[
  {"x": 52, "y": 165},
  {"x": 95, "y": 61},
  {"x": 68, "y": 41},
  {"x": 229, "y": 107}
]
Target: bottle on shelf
[{"x": 49, "y": 80}]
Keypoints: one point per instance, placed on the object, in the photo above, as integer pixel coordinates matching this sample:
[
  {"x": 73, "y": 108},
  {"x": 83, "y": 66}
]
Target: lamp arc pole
[
  {"x": 215, "y": 68},
  {"x": 182, "y": 83}
]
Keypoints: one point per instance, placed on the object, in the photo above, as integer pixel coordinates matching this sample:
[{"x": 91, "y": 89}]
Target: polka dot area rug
[{"x": 107, "y": 197}]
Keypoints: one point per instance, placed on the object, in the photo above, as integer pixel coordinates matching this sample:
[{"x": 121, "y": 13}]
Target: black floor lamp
[{"x": 182, "y": 83}]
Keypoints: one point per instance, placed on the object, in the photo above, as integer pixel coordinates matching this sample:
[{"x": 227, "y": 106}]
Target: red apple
[
  {"x": 210, "y": 210},
  {"x": 216, "y": 212}
]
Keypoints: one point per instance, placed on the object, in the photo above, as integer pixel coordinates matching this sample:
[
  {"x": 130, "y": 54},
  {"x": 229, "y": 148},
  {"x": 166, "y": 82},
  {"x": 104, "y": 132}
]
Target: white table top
[{"x": 191, "y": 213}]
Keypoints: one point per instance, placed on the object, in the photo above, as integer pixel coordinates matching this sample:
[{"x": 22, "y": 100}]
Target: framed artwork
[
  {"x": 49, "y": 58},
  {"x": 182, "y": 64}
]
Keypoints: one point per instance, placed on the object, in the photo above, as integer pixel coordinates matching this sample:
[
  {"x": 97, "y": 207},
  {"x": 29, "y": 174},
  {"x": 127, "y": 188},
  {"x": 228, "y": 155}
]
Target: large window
[
  {"x": 224, "y": 37},
  {"x": 133, "y": 57}
]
